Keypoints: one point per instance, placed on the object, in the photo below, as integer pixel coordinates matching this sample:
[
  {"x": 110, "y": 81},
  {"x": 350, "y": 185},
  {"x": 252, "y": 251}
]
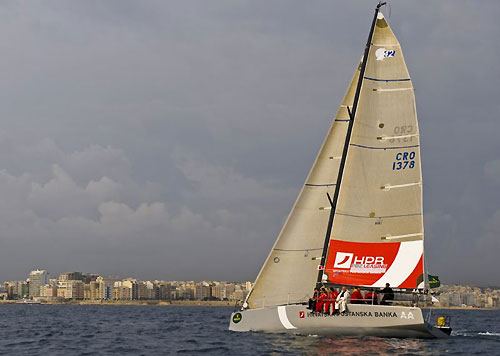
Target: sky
[{"x": 169, "y": 139}]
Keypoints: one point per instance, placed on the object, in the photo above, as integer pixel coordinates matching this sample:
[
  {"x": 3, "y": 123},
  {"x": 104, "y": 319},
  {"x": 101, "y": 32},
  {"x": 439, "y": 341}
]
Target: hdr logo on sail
[{"x": 346, "y": 259}]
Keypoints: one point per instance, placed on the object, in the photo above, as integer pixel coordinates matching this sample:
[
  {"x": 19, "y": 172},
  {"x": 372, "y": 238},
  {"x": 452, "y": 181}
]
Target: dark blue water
[{"x": 151, "y": 330}]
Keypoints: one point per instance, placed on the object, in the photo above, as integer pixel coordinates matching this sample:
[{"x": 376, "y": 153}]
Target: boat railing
[{"x": 400, "y": 298}]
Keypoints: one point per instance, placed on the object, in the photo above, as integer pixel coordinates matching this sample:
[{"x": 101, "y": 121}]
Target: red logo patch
[{"x": 302, "y": 315}]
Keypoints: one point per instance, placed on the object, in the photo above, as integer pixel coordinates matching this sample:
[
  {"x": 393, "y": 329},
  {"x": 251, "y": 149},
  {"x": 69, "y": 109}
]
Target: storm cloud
[{"x": 169, "y": 139}]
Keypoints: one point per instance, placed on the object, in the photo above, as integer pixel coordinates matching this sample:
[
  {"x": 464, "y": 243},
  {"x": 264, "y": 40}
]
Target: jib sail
[{"x": 290, "y": 271}]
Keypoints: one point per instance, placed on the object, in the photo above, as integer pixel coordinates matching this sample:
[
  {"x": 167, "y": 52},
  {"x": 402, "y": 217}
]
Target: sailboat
[{"x": 358, "y": 219}]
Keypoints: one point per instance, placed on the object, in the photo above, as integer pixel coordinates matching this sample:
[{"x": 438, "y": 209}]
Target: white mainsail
[{"x": 379, "y": 208}]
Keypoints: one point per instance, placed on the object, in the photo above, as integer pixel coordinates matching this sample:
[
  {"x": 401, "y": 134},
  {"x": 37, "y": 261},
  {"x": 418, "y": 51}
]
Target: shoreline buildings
[
  {"x": 83, "y": 286},
  {"x": 468, "y": 296},
  {"x": 37, "y": 279}
]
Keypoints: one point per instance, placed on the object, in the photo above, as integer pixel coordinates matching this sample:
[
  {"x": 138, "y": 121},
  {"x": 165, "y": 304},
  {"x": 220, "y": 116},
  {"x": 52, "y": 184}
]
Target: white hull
[{"x": 362, "y": 320}]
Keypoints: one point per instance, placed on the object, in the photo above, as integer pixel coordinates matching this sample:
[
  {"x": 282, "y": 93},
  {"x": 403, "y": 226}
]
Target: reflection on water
[
  {"x": 368, "y": 345},
  {"x": 313, "y": 345}
]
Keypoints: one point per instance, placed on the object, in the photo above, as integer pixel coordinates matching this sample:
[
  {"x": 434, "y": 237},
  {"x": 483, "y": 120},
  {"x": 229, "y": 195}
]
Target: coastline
[
  {"x": 461, "y": 308},
  {"x": 206, "y": 303},
  {"x": 201, "y": 303}
]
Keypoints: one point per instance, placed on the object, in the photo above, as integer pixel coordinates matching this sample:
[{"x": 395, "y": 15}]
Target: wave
[
  {"x": 476, "y": 334},
  {"x": 487, "y": 333}
]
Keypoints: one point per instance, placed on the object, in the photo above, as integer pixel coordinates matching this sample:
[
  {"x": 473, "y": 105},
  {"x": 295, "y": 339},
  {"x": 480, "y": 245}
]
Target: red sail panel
[
  {"x": 416, "y": 277},
  {"x": 374, "y": 264}
]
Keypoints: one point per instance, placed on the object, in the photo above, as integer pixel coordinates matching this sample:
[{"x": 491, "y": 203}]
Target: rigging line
[
  {"x": 352, "y": 115},
  {"x": 384, "y": 148},
  {"x": 320, "y": 185}
]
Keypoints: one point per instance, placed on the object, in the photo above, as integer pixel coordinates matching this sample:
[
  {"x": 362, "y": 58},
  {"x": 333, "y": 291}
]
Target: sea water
[{"x": 164, "y": 330}]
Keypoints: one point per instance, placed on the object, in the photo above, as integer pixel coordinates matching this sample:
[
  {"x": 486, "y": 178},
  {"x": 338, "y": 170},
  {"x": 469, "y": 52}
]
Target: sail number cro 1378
[{"x": 404, "y": 160}]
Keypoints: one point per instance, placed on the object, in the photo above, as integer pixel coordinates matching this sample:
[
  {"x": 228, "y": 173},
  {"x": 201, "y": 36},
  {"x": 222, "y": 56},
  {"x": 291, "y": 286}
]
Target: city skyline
[
  {"x": 169, "y": 140},
  {"x": 95, "y": 288},
  {"x": 78, "y": 286},
  {"x": 124, "y": 277},
  {"x": 58, "y": 274}
]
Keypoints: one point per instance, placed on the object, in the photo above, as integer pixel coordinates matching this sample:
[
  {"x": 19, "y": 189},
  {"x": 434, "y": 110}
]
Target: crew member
[
  {"x": 371, "y": 298},
  {"x": 321, "y": 300},
  {"x": 341, "y": 301},
  {"x": 332, "y": 296},
  {"x": 388, "y": 295},
  {"x": 356, "y": 297},
  {"x": 313, "y": 299}
]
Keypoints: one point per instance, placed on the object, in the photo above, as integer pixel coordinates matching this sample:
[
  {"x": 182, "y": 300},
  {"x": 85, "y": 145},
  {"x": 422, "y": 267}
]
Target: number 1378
[{"x": 404, "y": 160}]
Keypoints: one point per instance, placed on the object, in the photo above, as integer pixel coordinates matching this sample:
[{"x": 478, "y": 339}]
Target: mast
[{"x": 352, "y": 115}]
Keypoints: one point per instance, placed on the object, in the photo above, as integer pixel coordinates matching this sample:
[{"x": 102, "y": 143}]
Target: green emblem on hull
[{"x": 237, "y": 318}]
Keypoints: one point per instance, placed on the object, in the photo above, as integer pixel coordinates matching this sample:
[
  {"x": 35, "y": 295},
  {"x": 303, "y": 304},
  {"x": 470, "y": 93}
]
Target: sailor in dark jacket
[
  {"x": 313, "y": 299},
  {"x": 388, "y": 295}
]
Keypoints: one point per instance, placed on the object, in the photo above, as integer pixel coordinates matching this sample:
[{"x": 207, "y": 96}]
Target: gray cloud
[{"x": 169, "y": 139}]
